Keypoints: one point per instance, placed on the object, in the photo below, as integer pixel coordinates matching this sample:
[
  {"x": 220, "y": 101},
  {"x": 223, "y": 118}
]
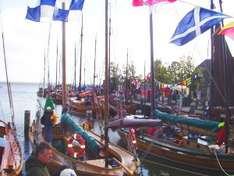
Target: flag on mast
[
  {"x": 48, "y": 9},
  {"x": 227, "y": 30},
  {"x": 195, "y": 23},
  {"x": 149, "y": 2}
]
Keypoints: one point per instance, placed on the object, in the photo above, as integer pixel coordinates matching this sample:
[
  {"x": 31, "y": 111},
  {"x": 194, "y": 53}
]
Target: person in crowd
[
  {"x": 67, "y": 172},
  {"x": 63, "y": 170},
  {"x": 36, "y": 165},
  {"x": 46, "y": 120},
  {"x": 221, "y": 133}
]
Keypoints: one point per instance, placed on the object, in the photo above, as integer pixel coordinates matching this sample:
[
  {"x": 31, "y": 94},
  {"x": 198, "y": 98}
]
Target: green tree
[
  {"x": 115, "y": 74},
  {"x": 161, "y": 72},
  {"x": 181, "y": 70}
]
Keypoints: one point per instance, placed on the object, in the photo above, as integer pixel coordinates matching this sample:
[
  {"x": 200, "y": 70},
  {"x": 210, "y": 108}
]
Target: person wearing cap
[{"x": 47, "y": 122}]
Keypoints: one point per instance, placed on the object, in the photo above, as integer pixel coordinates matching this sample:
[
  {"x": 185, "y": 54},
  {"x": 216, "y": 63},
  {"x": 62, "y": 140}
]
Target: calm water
[{"x": 24, "y": 98}]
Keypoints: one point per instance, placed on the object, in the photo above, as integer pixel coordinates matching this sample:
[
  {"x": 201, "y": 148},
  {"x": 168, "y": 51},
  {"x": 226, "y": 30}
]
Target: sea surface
[{"x": 25, "y": 98}]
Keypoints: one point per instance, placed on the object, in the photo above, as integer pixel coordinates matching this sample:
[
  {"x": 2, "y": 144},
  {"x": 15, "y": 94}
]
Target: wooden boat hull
[
  {"x": 177, "y": 157},
  {"x": 81, "y": 108},
  {"x": 11, "y": 155},
  {"x": 95, "y": 167},
  {"x": 57, "y": 97}
]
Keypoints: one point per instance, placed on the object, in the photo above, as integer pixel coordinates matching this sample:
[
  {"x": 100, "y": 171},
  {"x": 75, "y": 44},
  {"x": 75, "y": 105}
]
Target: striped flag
[{"x": 227, "y": 30}]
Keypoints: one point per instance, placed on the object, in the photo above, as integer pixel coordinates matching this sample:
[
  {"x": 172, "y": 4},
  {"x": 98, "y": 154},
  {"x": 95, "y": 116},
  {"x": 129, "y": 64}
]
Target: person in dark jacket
[
  {"x": 47, "y": 122},
  {"x": 36, "y": 165}
]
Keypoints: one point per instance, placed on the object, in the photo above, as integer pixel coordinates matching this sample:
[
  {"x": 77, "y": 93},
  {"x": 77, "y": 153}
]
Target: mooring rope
[{"x": 216, "y": 156}]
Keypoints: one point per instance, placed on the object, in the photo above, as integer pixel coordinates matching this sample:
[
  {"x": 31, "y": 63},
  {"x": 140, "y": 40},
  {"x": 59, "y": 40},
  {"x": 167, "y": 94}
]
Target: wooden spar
[
  {"x": 106, "y": 88},
  {"x": 226, "y": 89},
  {"x": 56, "y": 71},
  {"x": 44, "y": 73},
  {"x": 8, "y": 85},
  {"x": 126, "y": 81},
  {"x": 109, "y": 45},
  {"x": 75, "y": 68},
  {"x": 64, "y": 93},
  {"x": 81, "y": 49},
  {"x": 47, "y": 56},
  {"x": 94, "y": 62},
  {"x": 152, "y": 63}
]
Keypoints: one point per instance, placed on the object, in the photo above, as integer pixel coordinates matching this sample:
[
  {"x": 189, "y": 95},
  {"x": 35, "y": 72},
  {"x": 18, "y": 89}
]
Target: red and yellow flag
[{"x": 227, "y": 30}]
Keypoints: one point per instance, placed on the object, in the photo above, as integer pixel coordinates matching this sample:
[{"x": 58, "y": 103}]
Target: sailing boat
[
  {"x": 11, "y": 158},
  {"x": 188, "y": 143},
  {"x": 82, "y": 104},
  {"x": 116, "y": 161}
]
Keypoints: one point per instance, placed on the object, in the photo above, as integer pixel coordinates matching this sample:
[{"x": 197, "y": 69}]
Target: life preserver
[
  {"x": 76, "y": 146},
  {"x": 132, "y": 133}
]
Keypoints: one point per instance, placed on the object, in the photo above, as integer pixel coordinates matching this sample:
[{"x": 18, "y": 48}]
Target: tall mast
[
  {"x": 152, "y": 62},
  {"x": 47, "y": 56},
  {"x": 106, "y": 88},
  {"x": 44, "y": 72},
  {"x": 94, "y": 62},
  {"x": 126, "y": 81},
  {"x": 8, "y": 85},
  {"x": 64, "y": 100},
  {"x": 109, "y": 40},
  {"x": 81, "y": 48},
  {"x": 75, "y": 68},
  {"x": 56, "y": 72},
  {"x": 226, "y": 88}
]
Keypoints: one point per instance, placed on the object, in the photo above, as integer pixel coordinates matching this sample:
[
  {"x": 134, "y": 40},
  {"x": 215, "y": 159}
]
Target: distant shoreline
[{"x": 3, "y": 82}]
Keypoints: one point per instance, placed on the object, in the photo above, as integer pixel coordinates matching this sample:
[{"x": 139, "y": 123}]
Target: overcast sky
[{"x": 26, "y": 41}]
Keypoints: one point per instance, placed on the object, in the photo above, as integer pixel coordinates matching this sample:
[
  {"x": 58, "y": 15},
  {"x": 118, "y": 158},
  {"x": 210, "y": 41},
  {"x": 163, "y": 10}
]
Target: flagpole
[{"x": 152, "y": 63}]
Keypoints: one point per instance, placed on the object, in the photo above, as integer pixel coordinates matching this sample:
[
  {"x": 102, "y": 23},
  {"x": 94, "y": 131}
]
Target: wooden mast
[
  {"x": 109, "y": 45},
  {"x": 8, "y": 85},
  {"x": 94, "y": 62},
  {"x": 56, "y": 71},
  {"x": 64, "y": 93},
  {"x": 126, "y": 81},
  {"x": 226, "y": 88},
  {"x": 81, "y": 49},
  {"x": 44, "y": 73},
  {"x": 152, "y": 62},
  {"x": 106, "y": 88},
  {"x": 75, "y": 68}
]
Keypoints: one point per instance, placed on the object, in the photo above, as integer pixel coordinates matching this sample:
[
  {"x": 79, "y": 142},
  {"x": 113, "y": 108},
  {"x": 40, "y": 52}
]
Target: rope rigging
[{"x": 7, "y": 81}]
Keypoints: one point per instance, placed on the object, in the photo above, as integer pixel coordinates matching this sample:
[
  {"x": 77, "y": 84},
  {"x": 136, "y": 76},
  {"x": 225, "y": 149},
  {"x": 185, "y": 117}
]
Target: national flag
[
  {"x": 195, "y": 23},
  {"x": 48, "y": 9},
  {"x": 227, "y": 30},
  {"x": 149, "y": 2}
]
